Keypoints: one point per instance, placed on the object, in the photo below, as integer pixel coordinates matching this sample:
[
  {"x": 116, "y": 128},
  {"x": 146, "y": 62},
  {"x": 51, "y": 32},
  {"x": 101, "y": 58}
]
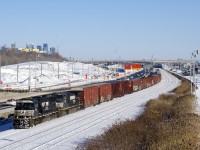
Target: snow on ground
[
  {"x": 65, "y": 132},
  {"x": 44, "y": 75},
  {"x": 198, "y": 94},
  {"x": 197, "y": 78},
  {"x": 197, "y": 82}
]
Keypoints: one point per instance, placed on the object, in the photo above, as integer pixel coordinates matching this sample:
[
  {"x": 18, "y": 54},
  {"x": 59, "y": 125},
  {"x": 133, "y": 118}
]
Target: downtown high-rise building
[
  {"x": 39, "y": 47},
  {"x": 45, "y": 47},
  {"x": 29, "y": 46},
  {"x": 13, "y": 45},
  {"x": 52, "y": 50}
]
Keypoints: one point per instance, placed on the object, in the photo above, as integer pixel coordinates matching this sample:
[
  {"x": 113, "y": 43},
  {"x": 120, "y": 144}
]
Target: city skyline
[
  {"x": 40, "y": 47},
  {"x": 105, "y": 29}
]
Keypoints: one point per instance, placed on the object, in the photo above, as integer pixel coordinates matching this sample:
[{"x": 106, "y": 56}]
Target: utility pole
[
  {"x": 191, "y": 74},
  {"x": 0, "y": 67},
  {"x": 82, "y": 69},
  {"x": 35, "y": 70},
  {"x": 58, "y": 70},
  {"x": 88, "y": 71},
  {"x": 91, "y": 72},
  {"x": 194, "y": 75},
  {"x": 68, "y": 71},
  {"x": 72, "y": 69},
  {"x": 41, "y": 68},
  {"x": 29, "y": 81},
  {"x": 17, "y": 72},
  {"x": 194, "y": 54},
  {"x": 152, "y": 61}
]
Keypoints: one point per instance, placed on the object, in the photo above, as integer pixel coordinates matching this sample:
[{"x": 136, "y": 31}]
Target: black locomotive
[
  {"x": 35, "y": 110},
  {"x": 32, "y": 111}
]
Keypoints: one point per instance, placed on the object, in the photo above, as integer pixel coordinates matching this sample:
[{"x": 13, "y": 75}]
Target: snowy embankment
[
  {"x": 67, "y": 131},
  {"x": 197, "y": 78},
  {"x": 198, "y": 94},
  {"x": 43, "y": 75}
]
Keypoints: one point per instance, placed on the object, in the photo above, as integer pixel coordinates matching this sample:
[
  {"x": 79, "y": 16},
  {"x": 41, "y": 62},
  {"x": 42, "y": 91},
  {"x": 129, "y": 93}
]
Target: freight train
[{"x": 32, "y": 111}]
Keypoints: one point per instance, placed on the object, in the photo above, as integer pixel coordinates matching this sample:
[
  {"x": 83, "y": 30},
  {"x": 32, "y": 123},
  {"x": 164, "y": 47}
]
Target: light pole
[
  {"x": 36, "y": 69},
  {"x": 72, "y": 69},
  {"x": 88, "y": 71},
  {"x": 91, "y": 73},
  {"x": 41, "y": 68},
  {"x": 29, "y": 81},
  {"x": 82, "y": 69},
  {"x": 191, "y": 74},
  {"x": 194, "y": 54},
  {"x": 17, "y": 72},
  {"x": 0, "y": 67},
  {"x": 68, "y": 71},
  {"x": 58, "y": 70}
]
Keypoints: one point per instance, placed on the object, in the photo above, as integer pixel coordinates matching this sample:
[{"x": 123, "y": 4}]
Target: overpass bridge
[{"x": 136, "y": 61}]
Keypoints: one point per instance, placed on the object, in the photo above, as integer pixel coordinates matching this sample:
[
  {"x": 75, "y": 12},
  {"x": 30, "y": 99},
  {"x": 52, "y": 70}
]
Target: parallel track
[{"x": 52, "y": 141}]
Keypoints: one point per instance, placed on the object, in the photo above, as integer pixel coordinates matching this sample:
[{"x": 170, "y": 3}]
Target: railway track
[
  {"x": 5, "y": 107},
  {"x": 50, "y": 141}
]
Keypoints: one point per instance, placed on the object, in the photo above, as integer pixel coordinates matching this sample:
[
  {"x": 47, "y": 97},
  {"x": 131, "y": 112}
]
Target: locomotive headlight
[{"x": 22, "y": 112}]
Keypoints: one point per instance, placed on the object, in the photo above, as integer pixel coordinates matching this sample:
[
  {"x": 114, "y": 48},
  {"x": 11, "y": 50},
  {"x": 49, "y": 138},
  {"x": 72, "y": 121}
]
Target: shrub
[{"x": 167, "y": 122}]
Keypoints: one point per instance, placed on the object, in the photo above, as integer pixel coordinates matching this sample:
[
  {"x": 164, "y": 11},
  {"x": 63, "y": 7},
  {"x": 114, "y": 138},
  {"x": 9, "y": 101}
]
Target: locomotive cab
[
  {"x": 61, "y": 100},
  {"x": 72, "y": 100},
  {"x": 25, "y": 110},
  {"x": 75, "y": 98},
  {"x": 47, "y": 104}
]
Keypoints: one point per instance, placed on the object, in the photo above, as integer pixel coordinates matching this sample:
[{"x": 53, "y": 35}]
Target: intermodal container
[
  {"x": 127, "y": 66},
  {"x": 135, "y": 66}
]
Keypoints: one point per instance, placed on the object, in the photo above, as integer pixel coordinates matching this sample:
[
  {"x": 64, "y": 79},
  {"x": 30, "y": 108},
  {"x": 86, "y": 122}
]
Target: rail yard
[{"x": 86, "y": 121}]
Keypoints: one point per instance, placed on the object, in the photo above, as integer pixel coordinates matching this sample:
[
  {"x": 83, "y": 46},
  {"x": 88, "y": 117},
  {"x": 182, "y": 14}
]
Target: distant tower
[
  {"x": 13, "y": 46},
  {"x": 29, "y": 46},
  {"x": 39, "y": 47},
  {"x": 52, "y": 50},
  {"x": 45, "y": 47}
]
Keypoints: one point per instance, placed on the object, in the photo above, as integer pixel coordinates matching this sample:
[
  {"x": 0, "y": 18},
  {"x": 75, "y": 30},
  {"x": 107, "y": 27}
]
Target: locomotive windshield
[
  {"x": 24, "y": 106},
  {"x": 60, "y": 98}
]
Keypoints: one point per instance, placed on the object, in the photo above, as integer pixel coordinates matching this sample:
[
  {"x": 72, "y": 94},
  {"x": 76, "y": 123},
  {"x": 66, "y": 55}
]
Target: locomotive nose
[{"x": 22, "y": 112}]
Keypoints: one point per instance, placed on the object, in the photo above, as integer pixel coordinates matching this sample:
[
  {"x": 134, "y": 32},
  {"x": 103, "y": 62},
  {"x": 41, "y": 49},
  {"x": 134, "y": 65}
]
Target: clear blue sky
[{"x": 104, "y": 29}]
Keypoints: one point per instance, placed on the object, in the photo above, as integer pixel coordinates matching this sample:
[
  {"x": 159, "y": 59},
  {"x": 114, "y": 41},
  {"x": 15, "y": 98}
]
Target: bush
[
  {"x": 168, "y": 122},
  {"x": 13, "y": 56}
]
